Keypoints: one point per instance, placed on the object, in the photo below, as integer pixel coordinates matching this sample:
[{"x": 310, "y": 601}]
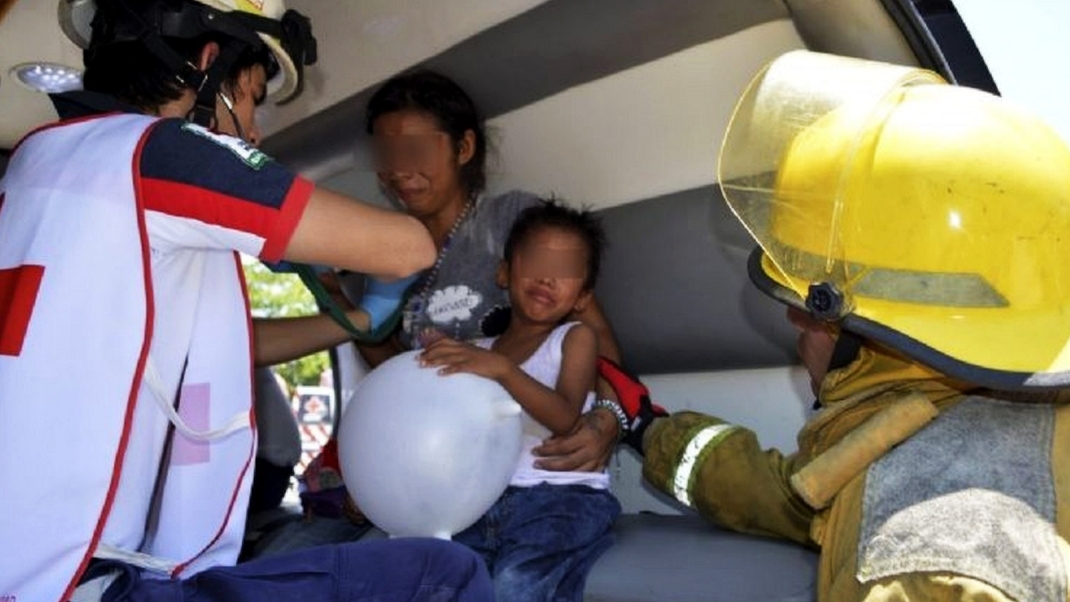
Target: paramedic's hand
[
  {"x": 587, "y": 448},
  {"x": 333, "y": 285},
  {"x": 453, "y": 356}
]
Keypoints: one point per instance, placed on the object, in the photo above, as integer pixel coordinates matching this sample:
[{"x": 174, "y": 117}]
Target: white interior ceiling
[
  {"x": 639, "y": 133},
  {"x": 360, "y": 43},
  {"x": 29, "y": 33}
]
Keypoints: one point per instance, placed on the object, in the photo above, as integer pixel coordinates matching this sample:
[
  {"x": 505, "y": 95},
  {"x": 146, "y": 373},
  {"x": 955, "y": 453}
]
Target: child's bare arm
[
  {"x": 559, "y": 408},
  {"x": 556, "y": 409},
  {"x": 579, "y": 367}
]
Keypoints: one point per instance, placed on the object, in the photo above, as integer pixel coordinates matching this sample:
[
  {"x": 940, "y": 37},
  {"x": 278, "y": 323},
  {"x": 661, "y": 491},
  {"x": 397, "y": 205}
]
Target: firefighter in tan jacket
[{"x": 920, "y": 235}]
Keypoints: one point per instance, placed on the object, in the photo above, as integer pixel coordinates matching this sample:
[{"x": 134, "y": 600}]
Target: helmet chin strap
[{"x": 203, "y": 112}]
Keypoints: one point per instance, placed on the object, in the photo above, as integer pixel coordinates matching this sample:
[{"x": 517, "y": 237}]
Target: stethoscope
[{"x": 229, "y": 104}]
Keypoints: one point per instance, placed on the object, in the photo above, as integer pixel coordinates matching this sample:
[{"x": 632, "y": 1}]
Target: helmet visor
[{"x": 829, "y": 105}]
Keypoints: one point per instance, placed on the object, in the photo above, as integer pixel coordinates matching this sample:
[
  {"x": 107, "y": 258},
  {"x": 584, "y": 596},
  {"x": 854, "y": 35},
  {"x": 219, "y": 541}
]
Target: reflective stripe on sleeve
[{"x": 681, "y": 482}]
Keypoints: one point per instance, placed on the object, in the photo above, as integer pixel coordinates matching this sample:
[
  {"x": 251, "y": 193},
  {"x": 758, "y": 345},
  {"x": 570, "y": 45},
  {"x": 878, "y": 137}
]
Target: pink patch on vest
[{"x": 194, "y": 409}]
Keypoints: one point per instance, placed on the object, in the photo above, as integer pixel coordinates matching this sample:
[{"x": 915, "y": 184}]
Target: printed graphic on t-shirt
[
  {"x": 243, "y": 150},
  {"x": 453, "y": 304}
]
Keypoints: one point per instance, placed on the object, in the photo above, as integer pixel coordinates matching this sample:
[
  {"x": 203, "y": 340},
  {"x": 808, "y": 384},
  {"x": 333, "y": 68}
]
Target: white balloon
[{"x": 427, "y": 455}]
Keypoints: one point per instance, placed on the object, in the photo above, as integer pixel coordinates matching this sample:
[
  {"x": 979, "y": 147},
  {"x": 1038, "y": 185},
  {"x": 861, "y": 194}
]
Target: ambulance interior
[{"x": 620, "y": 105}]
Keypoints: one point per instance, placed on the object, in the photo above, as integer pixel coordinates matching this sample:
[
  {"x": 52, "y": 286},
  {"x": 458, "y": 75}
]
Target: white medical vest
[{"x": 81, "y": 436}]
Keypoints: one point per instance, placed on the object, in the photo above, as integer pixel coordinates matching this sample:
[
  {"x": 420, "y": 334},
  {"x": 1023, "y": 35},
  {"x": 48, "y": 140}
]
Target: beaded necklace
[
  {"x": 416, "y": 314},
  {"x": 432, "y": 274}
]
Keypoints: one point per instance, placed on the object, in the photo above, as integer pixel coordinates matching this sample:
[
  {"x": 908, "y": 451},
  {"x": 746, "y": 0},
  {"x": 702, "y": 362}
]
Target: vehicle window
[{"x": 1028, "y": 69}]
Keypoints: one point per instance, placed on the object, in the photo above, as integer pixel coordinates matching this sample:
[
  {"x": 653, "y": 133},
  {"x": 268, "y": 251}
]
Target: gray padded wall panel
[
  {"x": 675, "y": 275},
  {"x": 538, "y": 53}
]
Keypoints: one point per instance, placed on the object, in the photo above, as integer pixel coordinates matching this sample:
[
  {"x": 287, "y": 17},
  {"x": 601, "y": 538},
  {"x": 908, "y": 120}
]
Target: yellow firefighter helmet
[{"x": 931, "y": 218}]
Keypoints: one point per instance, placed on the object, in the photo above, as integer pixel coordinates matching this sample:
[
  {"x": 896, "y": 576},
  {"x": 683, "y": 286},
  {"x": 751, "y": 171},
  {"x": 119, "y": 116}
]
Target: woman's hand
[
  {"x": 454, "y": 356},
  {"x": 586, "y": 449}
]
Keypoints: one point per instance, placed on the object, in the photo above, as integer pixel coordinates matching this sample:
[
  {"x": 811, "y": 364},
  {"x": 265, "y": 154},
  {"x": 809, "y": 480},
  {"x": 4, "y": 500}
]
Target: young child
[{"x": 542, "y": 536}]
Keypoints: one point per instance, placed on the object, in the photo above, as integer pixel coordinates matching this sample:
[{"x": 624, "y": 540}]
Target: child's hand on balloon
[{"x": 453, "y": 356}]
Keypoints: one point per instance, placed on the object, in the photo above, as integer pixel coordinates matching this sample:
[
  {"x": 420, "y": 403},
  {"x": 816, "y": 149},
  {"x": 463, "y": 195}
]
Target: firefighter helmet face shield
[
  {"x": 928, "y": 217},
  {"x": 286, "y": 33}
]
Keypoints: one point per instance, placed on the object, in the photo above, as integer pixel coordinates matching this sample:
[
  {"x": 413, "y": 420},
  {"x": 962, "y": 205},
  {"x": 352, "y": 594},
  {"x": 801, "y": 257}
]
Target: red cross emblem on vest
[{"x": 18, "y": 293}]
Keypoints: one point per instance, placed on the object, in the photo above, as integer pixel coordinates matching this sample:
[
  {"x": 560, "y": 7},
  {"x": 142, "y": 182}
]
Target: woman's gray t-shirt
[{"x": 464, "y": 301}]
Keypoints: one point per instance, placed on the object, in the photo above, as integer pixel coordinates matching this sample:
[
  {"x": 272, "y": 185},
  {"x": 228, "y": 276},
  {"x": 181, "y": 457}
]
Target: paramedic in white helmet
[{"x": 124, "y": 323}]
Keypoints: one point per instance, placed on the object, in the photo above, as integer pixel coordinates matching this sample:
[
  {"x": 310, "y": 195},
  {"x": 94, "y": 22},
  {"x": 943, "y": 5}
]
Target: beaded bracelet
[{"x": 618, "y": 412}]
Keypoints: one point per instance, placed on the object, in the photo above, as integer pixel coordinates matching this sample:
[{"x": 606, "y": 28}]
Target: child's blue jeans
[{"x": 540, "y": 542}]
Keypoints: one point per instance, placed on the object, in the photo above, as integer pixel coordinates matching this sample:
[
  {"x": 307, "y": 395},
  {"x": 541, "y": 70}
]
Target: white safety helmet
[{"x": 286, "y": 33}]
